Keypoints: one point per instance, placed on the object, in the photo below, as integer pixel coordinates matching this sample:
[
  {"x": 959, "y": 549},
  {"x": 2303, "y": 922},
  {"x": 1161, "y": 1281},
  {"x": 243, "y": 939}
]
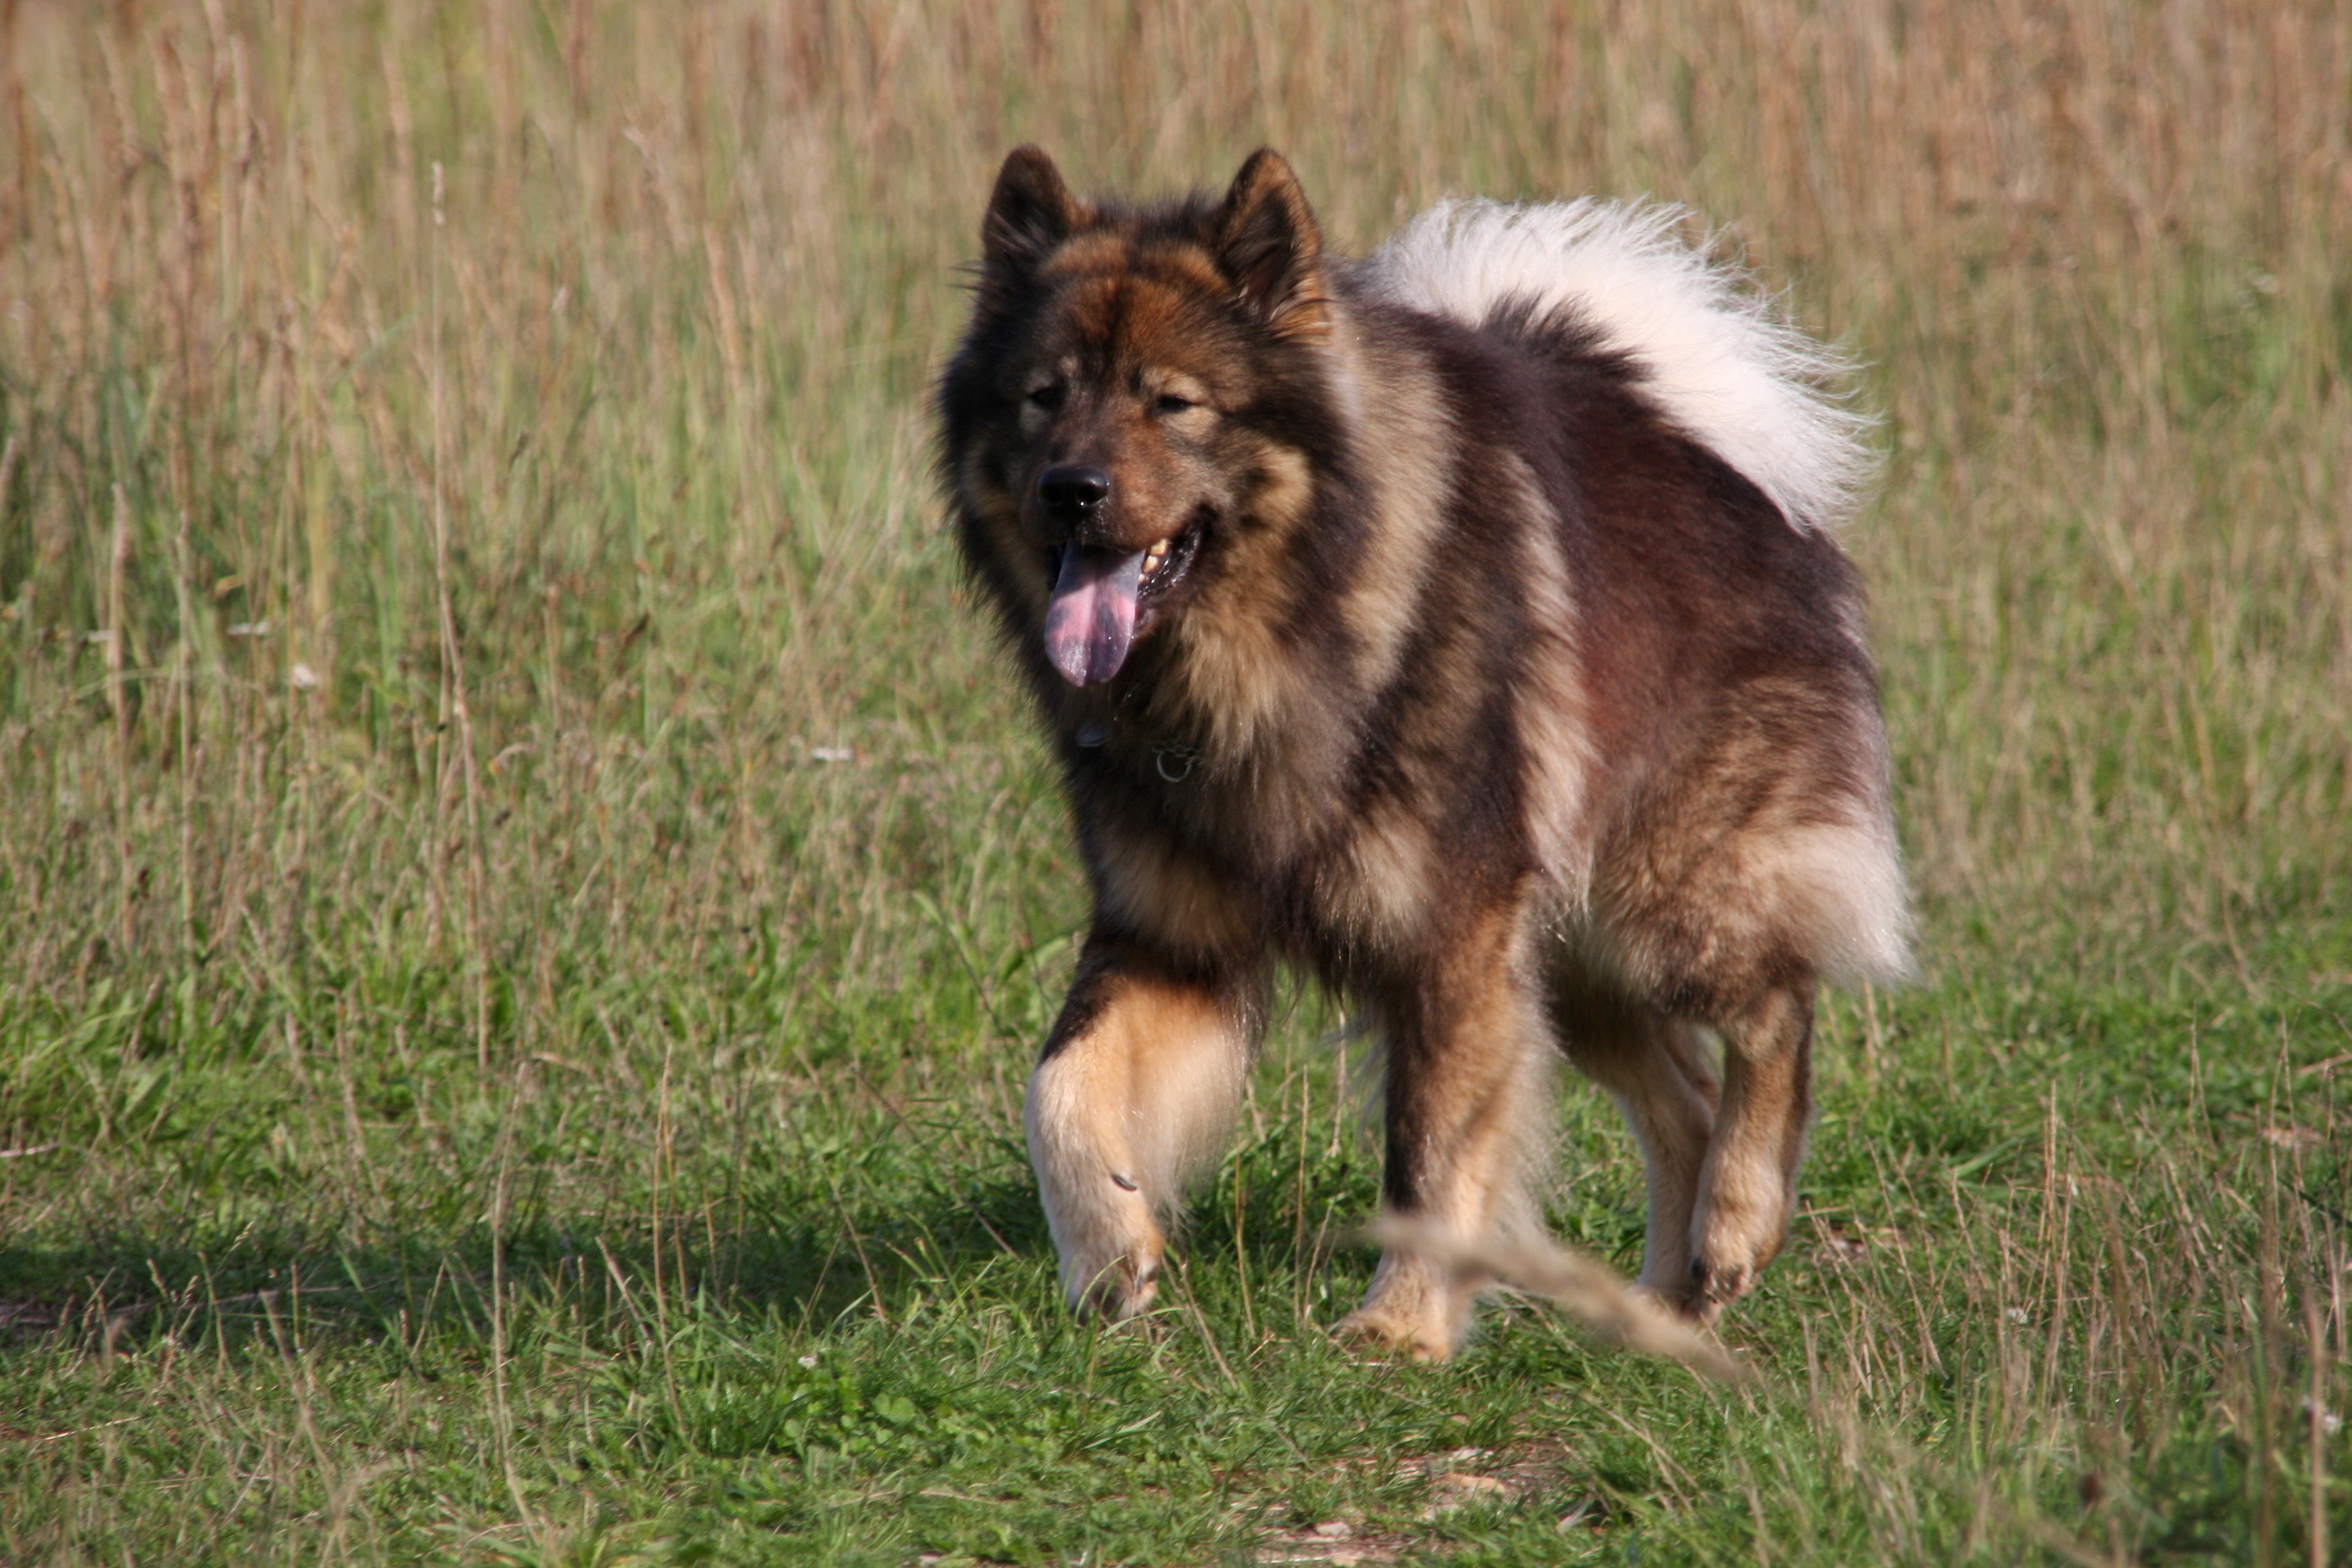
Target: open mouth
[
  {"x": 1103, "y": 599},
  {"x": 1165, "y": 563}
]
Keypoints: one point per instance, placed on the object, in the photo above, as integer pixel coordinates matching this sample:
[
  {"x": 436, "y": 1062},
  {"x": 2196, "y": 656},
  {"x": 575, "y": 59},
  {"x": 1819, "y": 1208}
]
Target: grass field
[{"x": 526, "y": 900}]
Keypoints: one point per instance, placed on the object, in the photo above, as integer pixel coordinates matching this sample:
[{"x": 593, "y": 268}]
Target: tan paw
[
  {"x": 1114, "y": 1291},
  {"x": 1379, "y": 1331},
  {"x": 1715, "y": 1287},
  {"x": 1735, "y": 1246}
]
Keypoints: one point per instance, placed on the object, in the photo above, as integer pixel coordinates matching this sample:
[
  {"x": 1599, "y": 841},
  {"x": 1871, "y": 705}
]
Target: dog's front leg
[
  {"x": 1466, "y": 1097},
  {"x": 1138, "y": 1080}
]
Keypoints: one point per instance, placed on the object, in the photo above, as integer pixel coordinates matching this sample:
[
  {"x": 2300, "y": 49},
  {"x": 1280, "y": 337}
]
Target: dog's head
[{"x": 1138, "y": 389}]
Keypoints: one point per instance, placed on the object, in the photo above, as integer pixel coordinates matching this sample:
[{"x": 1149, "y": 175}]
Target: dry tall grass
[{"x": 659, "y": 358}]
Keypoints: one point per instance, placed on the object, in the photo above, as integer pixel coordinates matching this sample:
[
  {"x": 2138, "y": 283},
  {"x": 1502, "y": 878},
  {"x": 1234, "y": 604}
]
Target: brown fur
[{"x": 1472, "y": 684}]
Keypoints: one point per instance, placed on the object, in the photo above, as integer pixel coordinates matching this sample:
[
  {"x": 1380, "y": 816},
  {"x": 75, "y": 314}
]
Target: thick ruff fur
[{"x": 1462, "y": 626}]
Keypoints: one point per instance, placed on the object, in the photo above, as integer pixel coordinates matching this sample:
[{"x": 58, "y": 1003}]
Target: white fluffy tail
[{"x": 1717, "y": 359}]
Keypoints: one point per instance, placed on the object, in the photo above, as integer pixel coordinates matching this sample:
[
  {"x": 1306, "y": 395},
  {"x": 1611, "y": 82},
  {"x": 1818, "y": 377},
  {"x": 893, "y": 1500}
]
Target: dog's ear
[
  {"x": 1029, "y": 214},
  {"x": 1272, "y": 250}
]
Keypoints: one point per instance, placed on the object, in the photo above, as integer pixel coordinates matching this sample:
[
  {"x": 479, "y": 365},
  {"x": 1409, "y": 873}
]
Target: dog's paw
[
  {"x": 1731, "y": 1245},
  {"x": 1416, "y": 1306},
  {"x": 1116, "y": 1289},
  {"x": 1714, "y": 1286},
  {"x": 1377, "y": 1332}
]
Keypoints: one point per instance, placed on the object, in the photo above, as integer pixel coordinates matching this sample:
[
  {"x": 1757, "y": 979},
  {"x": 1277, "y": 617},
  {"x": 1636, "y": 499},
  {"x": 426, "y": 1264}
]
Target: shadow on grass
[
  {"x": 802, "y": 1269},
  {"x": 799, "y": 1239}
]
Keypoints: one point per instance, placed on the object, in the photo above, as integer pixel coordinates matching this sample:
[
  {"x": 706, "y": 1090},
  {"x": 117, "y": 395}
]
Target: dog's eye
[
  {"x": 1169, "y": 403},
  {"x": 1048, "y": 396}
]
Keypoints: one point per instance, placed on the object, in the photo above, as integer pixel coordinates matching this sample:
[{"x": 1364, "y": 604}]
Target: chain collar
[
  {"x": 1172, "y": 759},
  {"x": 1176, "y": 760}
]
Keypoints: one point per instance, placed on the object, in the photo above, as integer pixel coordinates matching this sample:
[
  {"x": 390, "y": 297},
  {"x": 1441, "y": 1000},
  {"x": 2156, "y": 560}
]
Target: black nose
[{"x": 1073, "y": 495}]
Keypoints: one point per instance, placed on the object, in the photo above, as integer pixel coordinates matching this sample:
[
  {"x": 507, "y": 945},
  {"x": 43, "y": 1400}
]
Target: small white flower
[
  {"x": 833, "y": 753},
  {"x": 2018, "y": 1315},
  {"x": 302, "y": 677},
  {"x": 808, "y": 1361}
]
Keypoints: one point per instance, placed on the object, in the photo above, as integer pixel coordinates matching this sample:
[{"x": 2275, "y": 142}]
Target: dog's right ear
[{"x": 1030, "y": 213}]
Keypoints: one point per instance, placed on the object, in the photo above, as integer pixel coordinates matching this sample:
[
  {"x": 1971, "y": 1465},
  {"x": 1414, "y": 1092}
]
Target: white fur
[
  {"x": 1841, "y": 886},
  {"x": 1719, "y": 362}
]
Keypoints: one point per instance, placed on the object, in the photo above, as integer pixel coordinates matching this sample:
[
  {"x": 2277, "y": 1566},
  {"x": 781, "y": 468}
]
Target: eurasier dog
[{"x": 1461, "y": 626}]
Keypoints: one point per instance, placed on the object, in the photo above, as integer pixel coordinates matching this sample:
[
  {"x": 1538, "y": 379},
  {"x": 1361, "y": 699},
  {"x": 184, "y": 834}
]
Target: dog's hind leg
[
  {"x": 1747, "y": 1187},
  {"x": 1138, "y": 1079},
  {"x": 1466, "y": 1095},
  {"x": 1650, "y": 1064}
]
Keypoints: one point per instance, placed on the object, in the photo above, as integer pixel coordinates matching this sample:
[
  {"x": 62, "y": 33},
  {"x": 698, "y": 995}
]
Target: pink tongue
[{"x": 1091, "y": 620}]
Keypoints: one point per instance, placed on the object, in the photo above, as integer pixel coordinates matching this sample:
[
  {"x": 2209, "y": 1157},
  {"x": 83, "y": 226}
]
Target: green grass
[
  {"x": 477, "y": 1085},
  {"x": 806, "y": 1310}
]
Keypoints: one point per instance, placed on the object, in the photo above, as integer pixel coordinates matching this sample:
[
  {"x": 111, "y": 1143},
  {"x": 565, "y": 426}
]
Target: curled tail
[{"x": 1715, "y": 357}]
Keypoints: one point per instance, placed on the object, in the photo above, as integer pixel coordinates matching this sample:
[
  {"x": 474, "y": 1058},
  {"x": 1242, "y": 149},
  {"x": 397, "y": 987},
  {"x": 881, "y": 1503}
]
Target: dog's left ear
[{"x": 1272, "y": 250}]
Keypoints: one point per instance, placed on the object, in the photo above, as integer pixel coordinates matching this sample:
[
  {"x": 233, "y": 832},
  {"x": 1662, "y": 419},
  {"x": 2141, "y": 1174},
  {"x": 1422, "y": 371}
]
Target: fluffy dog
[{"x": 1462, "y": 627}]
